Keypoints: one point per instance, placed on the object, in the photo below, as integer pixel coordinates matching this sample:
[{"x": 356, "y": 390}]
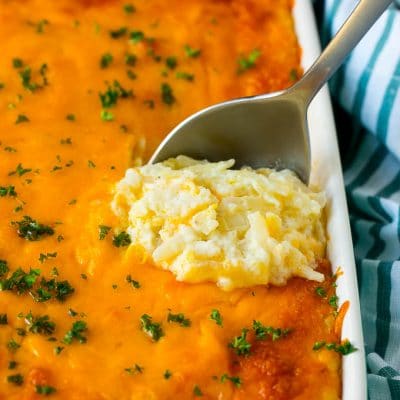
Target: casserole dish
[{"x": 327, "y": 174}]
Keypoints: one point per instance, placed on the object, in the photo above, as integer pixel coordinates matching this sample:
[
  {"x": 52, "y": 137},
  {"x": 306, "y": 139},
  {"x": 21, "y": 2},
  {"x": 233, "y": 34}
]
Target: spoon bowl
[{"x": 269, "y": 130}]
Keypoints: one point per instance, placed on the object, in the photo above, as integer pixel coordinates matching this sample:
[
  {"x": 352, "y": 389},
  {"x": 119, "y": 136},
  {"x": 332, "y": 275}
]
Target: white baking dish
[{"x": 327, "y": 174}]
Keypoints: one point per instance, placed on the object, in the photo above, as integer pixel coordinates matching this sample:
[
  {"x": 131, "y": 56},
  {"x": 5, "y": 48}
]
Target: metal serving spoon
[{"x": 269, "y": 129}]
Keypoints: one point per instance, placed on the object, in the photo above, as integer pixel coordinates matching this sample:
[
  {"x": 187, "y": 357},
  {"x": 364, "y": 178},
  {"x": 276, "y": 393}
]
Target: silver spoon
[{"x": 269, "y": 130}]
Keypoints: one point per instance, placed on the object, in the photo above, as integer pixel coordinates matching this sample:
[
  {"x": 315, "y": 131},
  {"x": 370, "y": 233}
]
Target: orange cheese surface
[{"x": 62, "y": 151}]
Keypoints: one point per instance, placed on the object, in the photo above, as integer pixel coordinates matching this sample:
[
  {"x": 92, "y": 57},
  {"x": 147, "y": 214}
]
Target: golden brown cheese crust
[{"x": 72, "y": 166}]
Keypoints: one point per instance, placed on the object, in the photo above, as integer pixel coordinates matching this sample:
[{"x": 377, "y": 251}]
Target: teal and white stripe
[{"x": 368, "y": 89}]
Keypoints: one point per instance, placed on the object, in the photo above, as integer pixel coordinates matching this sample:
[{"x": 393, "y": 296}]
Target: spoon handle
[{"x": 352, "y": 31}]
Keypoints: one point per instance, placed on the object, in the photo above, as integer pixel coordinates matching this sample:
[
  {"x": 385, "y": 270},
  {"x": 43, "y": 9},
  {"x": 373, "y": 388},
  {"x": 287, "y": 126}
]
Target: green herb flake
[
  {"x": 118, "y": 33},
  {"x": 179, "y": 319},
  {"x": 76, "y": 333},
  {"x": 130, "y": 59},
  {"x": 17, "y": 63},
  {"x": 191, "y": 52},
  {"x": 103, "y": 231},
  {"x": 21, "y": 118},
  {"x": 197, "y": 391},
  {"x": 10, "y": 149},
  {"x": 171, "y": 62},
  {"x": 136, "y": 369},
  {"x": 106, "y": 60},
  {"x": 318, "y": 345},
  {"x": 3, "y": 268},
  {"x": 7, "y": 191},
  {"x": 343, "y": 348},
  {"x": 333, "y": 301},
  {"x": 40, "y": 324},
  {"x": 167, "y": 95},
  {"x": 132, "y": 282},
  {"x": 16, "y": 379},
  {"x": 240, "y": 344},
  {"x": 167, "y": 374},
  {"x": 152, "y": 329},
  {"x": 129, "y": 8},
  {"x": 45, "y": 390},
  {"x": 185, "y": 76},
  {"x": 262, "y": 331},
  {"x": 43, "y": 257},
  {"x": 32, "y": 230},
  {"x": 136, "y": 36},
  {"x": 58, "y": 350},
  {"x": 249, "y": 61},
  {"x": 20, "y": 281},
  {"x": 122, "y": 239},
  {"x": 131, "y": 75},
  {"x": 70, "y": 117},
  {"x": 3, "y": 319},
  {"x": 114, "y": 92},
  {"x": 13, "y": 346},
  {"x": 12, "y": 364},
  {"x": 106, "y": 115},
  {"x": 91, "y": 164},
  {"x": 216, "y": 316},
  {"x": 293, "y": 75},
  {"x": 234, "y": 379},
  {"x": 320, "y": 291}
]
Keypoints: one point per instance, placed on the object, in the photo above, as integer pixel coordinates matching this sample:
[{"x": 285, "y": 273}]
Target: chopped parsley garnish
[
  {"x": 43, "y": 257},
  {"x": 70, "y": 117},
  {"x": 333, "y": 301},
  {"x": 26, "y": 78},
  {"x": 320, "y": 291},
  {"x": 262, "y": 331},
  {"x": 106, "y": 60},
  {"x": 3, "y": 268},
  {"x": 131, "y": 74},
  {"x": 21, "y": 331},
  {"x": 45, "y": 390},
  {"x": 167, "y": 374},
  {"x": 130, "y": 59},
  {"x": 17, "y": 63},
  {"x": 240, "y": 344},
  {"x": 197, "y": 391},
  {"x": 13, "y": 346},
  {"x": 293, "y": 75},
  {"x": 106, "y": 115},
  {"x": 343, "y": 348},
  {"x": 179, "y": 319},
  {"x": 103, "y": 231},
  {"x": 149, "y": 103},
  {"x": 191, "y": 52},
  {"x": 216, "y": 316},
  {"x": 31, "y": 229},
  {"x": 10, "y": 149},
  {"x": 132, "y": 282},
  {"x": 12, "y": 364},
  {"x": 167, "y": 95},
  {"x": 21, "y": 118},
  {"x": 186, "y": 76},
  {"x": 171, "y": 62},
  {"x": 129, "y": 8},
  {"x": 122, "y": 239},
  {"x": 114, "y": 92},
  {"x": 136, "y": 369},
  {"x": 66, "y": 141},
  {"x": 118, "y": 33},
  {"x": 234, "y": 379},
  {"x": 7, "y": 191},
  {"x": 3, "y": 319},
  {"x": 249, "y": 61},
  {"x": 152, "y": 329},
  {"x": 52, "y": 288},
  {"x": 58, "y": 350},
  {"x": 2, "y": 85},
  {"x": 40, "y": 324},
  {"x": 91, "y": 164},
  {"x": 136, "y": 36},
  {"x": 16, "y": 379},
  {"x": 76, "y": 333},
  {"x": 40, "y": 25},
  {"x": 20, "y": 280},
  {"x": 20, "y": 170}
]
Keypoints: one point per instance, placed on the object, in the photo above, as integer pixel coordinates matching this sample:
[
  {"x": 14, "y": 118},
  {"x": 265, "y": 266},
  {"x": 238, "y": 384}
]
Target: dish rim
[{"x": 325, "y": 152}]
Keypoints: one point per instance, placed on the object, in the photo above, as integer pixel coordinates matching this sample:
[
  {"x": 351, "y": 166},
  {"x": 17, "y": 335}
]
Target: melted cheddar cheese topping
[{"x": 88, "y": 88}]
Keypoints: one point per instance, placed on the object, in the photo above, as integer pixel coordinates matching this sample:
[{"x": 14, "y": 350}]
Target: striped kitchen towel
[{"x": 366, "y": 92}]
